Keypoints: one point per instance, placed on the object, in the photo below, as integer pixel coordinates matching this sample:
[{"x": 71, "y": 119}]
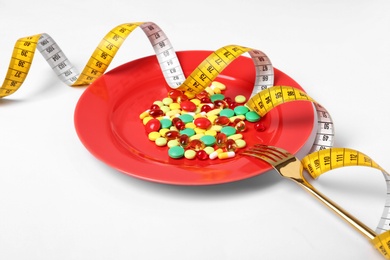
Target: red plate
[{"x": 107, "y": 123}]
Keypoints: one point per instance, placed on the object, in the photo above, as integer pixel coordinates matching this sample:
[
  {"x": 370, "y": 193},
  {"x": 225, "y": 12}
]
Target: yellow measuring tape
[
  {"x": 24, "y": 50},
  {"x": 322, "y": 161},
  {"x": 264, "y": 97}
]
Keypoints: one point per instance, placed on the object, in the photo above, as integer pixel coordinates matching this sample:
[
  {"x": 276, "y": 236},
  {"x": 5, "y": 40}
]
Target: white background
[{"x": 58, "y": 202}]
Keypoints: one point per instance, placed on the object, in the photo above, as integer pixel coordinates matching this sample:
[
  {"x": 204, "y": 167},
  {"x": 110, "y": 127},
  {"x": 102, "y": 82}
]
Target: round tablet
[{"x": 176, "y": 152}]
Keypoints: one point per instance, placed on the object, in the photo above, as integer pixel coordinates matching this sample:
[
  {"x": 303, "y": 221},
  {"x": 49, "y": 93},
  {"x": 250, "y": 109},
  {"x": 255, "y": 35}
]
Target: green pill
[
  {"x": 176, "y": 152},
  {"x": 228, "y": 130},
  {"x": 188, "y": 131},
  {"x": 216, "y": 97},
  {"x": 186, "y": 118},
  {"x": 208, "y": 140},
  {"x": 241, "y": 110},
  {"x": 165, "y": 123},
  {"x": 252, "y": 116},
  {"x": 227, "y": 112}
]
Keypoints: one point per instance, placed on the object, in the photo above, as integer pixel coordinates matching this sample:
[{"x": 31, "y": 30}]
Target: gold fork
[{"x": 290, "y": 167}]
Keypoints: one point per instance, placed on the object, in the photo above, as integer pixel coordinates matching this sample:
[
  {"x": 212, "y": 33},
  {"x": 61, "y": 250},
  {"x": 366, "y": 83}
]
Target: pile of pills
[{"x": 208, "y": 126}]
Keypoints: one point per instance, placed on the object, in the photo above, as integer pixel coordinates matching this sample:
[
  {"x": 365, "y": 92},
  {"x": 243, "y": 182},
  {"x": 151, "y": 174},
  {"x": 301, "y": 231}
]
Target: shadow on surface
[{"x": 253, "y": 184}]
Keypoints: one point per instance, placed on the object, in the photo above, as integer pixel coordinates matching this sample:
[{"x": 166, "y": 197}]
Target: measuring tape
[
  {"x": 322, "y": 161},
  {"x": 24, "y": 50},
  {"x": 264, "y": 96},
  {"x": 270, "y": 98}
]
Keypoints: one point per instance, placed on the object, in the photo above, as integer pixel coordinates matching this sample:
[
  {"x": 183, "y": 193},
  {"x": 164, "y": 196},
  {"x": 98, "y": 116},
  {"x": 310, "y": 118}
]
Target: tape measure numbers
[
  {"x": 270, "y": 98},
  {"x": 217, "y": 61},
  {"x": 24, "y": 50},
  {"x": 322, "y": 161}
]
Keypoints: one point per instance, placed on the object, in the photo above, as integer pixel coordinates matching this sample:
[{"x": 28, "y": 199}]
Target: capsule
[
  {"x": 172, "y": 135},
  {"x": 196, "y": 145},
  {"x": 184, "y": 141},
  {"x": 202, "y": 155},
  {"x": 226, "y": 155},
  {"x": 214, "y": 154},
  {"x": 156, "y": 112},
  {"x": 231, "y": 145},
  {"x": 221, "y": 140},
  {"x": 222, "y": 120}
]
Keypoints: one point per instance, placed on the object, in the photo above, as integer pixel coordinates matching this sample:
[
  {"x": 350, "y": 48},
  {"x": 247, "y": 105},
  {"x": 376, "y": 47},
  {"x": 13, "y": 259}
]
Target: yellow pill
[
  {"x": 144, "y": 114},
  {"x": 165, "y": 109},
  {"x": 197, "y": 136},
  {"x": 226, "y": 155},
  {"x": 190, "y": 125},
  {"x": 173, "y": 143},
  {"x": 190, "y": 154},
  {"x": 195, "y": 101},
  {"x": 209, "y": 91},
  {"x": 217, "y": 91},
  {"x": 213, "y": 112},
  {"x": 161, "y": 141},
  {"x": 212, "y": 118},
  {"x": 235, "y": 137},
  {"x": 219, "y": 85},
  {"x": 216, "y": 128},
  {"x": 167, "y": 101},
  {"x": 146, "y": 119},
  {"x": 173, "y": 112},
  {"x": 240, "y": 99},
  {"x": 174, "y": 106},
  {"x": 209, "y": 150},
  {"x": 159, "y": 103},
  {"x": 240, "y": 143},
  {"x": 211, "y": 132},
  {"x": 163, "y": 131},
  {"x": 199, "y": 130},
  {"x": 153, "y": 136},
  {"x": 202, "y": 114},
  {"x": 242, "y": 117}
]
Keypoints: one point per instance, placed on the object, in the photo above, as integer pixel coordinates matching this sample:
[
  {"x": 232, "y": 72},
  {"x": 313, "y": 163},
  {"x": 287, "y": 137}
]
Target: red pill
[
  {"x": 202, "y": 122},
  {"x": 184, "y": 141},
  {"x": 172, "y": 135},
  {"x": 228, "y": 99},
  {"x": 196, "y": 145},
  {"x": 221, "y": 140},
  {"x": 153, "y": 125},
  {"x": 156, "y": 112},
  {"x": 220, "y": 104},
  {"x": 231, "y": 145},
  {"x": 205, "y": 108},
  {"x": 202, "y": 94},
  {"x": 154, "y": 106},
  {"x": 222, "y": 120},
  {"x": 202, "y": 155},
  {"x": 180, "y": 125},
  {"x": 182, "y": 98},
  {"x": 260, "y": 127},
  {"x": 188, "y": 106},
  {"x": 175, "y": 119},
  {"x": 239, "y": 125},
  {"x": 205, "y": 100},
  {"x": 174, "y": 94}
]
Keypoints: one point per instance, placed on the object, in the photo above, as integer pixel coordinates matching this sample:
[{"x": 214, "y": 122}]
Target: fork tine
[
  {"x": 275, "y": 150},
  {"x": 265, "y": 153}
]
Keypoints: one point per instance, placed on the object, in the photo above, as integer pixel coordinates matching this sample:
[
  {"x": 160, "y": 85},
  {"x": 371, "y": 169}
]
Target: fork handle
[{"x": 357, "y": 224}]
